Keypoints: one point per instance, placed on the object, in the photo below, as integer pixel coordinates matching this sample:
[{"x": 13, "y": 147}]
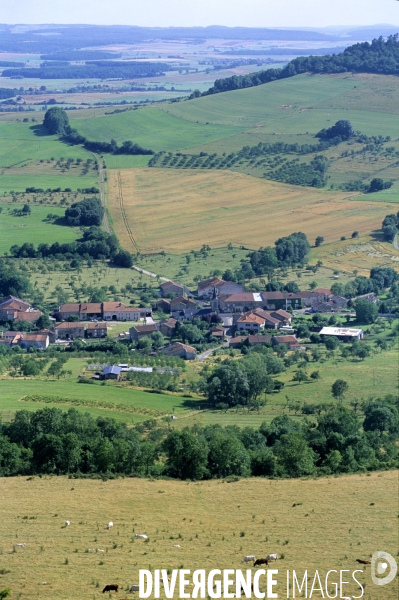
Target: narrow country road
[
  {"x": 395, "y": 242},
  {"x": 204, "y": 355},
  {"x": 150, "y": 274},
  {"x": 102, "y": 196}
]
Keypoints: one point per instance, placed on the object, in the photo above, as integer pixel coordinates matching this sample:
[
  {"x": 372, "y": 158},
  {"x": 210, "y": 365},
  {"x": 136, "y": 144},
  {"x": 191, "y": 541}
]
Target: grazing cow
[
  {"x": 248, "y": 558},
  {"x": 21, "y": 545},
  {"x": 252, "y": 588},
  {"x": 270, "y": 557},
  {"x": 134, "y": 588},
  {"x": 363, "y": 562},
  {"x": 67, "y": 523},
  {"x": 176, "y": 546},
  {"x": 98, "y": 550},
  {"x": 141, "y": 536},
  {"x": 112, "y": 587},
  {"x": 261, "y": 561},
  {"x": 110, "y": 524}
]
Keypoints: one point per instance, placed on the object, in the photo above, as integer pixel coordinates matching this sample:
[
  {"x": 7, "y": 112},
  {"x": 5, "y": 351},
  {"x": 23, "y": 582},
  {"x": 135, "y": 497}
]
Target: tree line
[
  {"x": 56, "y": 121},
  {"x": 380, "y": 56},
  {"x": 94, "y": 243},
  {"x": 50, "y": 441},
  {"x": 91, "y": 70}
]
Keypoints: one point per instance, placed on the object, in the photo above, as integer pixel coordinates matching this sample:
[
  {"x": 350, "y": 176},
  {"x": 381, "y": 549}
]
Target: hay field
[
  {"x": 359, "y": 254},
  {"x": 182, "y": 210},
  {"x": 336, "y": 520}
]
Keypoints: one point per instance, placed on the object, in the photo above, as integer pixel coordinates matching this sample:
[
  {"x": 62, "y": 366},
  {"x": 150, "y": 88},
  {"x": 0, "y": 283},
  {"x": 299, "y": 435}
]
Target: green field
[
  {"x": 153, "y": 128},
  {"x": 34, "y": 228},
  {"x": 128, "y": 405}
]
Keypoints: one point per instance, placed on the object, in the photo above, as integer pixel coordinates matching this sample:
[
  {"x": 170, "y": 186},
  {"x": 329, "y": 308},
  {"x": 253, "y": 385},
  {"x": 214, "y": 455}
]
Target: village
[{"x": 231, "y": 316}]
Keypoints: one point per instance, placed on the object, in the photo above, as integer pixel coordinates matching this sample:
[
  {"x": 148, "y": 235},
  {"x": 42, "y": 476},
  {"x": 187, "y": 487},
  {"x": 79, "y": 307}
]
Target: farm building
[
  {"x": 289, "y": 341},
  {"x": 109, "y": 311},
  {"x": 180, "y": 350},
  {"x": 24, "y": 340},
  {"x": 112, "y": 372},
  {"x": 169, "y": 288},
  {"x": 343, "y": 333},
  {"x": 67, "y": 310},
  {"x": 271, "y": 301},
  {"x": 207, "y": 288},
  {"x": 69, "y": 330},
  {"x": 168, "y": 327},
  {"x": 15, "y": 309},
  {"x": 90, "y": 310},
  {"x": 140, "y": 331},
  {"x": 183, "y": 307},
  {"x": 117, "y": 311},
  {"x": 218, "y": 332},
  {"x": 250, "y": 340},
  {"x": 34, "y": 340},
  {"x": 98, "y": 330}
]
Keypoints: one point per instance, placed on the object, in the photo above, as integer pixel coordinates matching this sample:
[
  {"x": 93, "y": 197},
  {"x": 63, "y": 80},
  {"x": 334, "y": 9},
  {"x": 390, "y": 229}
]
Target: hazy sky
[{"x": 249, "y": 13}]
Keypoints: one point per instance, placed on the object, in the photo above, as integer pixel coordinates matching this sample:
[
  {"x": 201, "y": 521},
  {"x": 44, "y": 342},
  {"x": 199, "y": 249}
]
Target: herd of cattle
[{"x": 114, "y": 587}]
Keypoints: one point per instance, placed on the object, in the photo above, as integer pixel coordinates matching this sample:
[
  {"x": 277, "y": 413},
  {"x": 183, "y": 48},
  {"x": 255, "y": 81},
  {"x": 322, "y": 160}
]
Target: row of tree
[
  {"x": 54, "y": 442},
  {"x": 94, "y": 243},
  {"x": 91, "y": 70}
]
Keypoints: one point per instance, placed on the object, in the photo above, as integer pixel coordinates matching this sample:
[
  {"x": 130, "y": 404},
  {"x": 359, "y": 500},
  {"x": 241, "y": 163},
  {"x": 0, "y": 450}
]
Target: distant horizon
[
  {"x": 292, "y": 14},
  {"x": 281, "y": 27}
]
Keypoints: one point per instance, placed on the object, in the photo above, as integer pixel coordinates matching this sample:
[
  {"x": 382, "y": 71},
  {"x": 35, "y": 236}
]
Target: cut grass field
[
  {"x": 34, "y": 228},
  {"x": 153, "y": 128},
  {"x": 123, "y": 404},
  {"x": 316, "y": 524},
  {"x": 179, "y": 211}
]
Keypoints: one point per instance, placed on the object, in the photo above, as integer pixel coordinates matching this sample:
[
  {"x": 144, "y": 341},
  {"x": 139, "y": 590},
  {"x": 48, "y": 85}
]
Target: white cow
[
  {"x": 98, "y": 550},
  {"x": 248, "y": 558},
  {"x": 67, "y": 523},
  {"x": 270, "y": 557},
  {"x": 110, "y": 524},
  {"x": 134, "y": 588},
  {"x": 176, "y": 546},
  {"x": 21, "y": 545},
  {"x": 141, "y": 536}
]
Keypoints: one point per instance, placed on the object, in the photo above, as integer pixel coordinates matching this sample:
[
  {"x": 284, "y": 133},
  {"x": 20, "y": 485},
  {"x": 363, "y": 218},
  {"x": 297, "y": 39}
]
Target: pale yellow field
[
  {"x": 336, "y": 521},
  {"x": 359, "y": 254},
  {"x": 180, "y": 210}
]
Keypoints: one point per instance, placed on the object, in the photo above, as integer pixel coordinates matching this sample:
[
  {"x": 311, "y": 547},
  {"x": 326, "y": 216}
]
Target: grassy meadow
[
  {"x": 121, "y": 403},
  {"x": 153, "y": 128},
  {"x": 34, "y": 228},
  {"x": 222, "y": 207},
  {"x": 318, "y": 524}
]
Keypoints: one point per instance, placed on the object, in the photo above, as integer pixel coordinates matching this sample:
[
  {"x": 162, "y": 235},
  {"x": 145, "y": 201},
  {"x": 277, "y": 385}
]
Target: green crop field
[
  {"x": 34, "y": 228},
  {"x": 153, "y": 128},
  {"x": 320, "y": 524},
  {"x": 121, "y": 403}
]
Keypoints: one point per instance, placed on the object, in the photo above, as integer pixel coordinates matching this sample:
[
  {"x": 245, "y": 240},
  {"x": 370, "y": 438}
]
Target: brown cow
[
  {"x": 363, "y": 562},
  {"x": 113, "y": 587},
  {"x": 261, "y": 561}
]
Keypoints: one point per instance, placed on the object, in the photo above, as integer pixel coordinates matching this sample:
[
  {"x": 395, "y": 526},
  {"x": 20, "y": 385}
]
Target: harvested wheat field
[
  {"x": 180, "y": 210},
  {"x": 312, "y": 524}
]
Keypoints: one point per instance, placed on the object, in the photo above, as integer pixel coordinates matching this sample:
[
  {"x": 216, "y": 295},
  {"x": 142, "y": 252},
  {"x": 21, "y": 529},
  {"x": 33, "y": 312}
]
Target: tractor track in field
[{"x": 124, "y": 216}]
